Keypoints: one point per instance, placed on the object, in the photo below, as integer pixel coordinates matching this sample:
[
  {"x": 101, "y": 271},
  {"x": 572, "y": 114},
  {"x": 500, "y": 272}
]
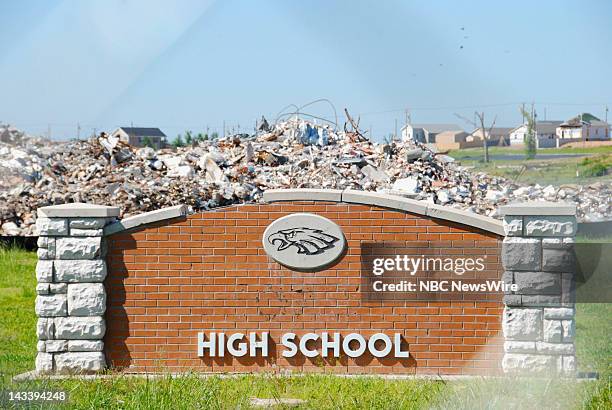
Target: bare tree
[
  {"x": 530, "y": 136},
  {"x": 486, "y": 133}
]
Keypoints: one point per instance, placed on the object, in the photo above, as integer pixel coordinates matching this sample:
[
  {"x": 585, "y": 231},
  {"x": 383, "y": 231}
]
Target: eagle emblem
[{"x": 308, "y": 241}]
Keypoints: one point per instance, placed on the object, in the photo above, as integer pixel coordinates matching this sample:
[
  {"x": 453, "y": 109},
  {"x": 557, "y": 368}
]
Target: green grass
[
  {"x": 18, "y": 346},
  {"x": 17, "y": 318},
  {"x": 478, "y": 152},
  {"x": 578, "y": 170}
]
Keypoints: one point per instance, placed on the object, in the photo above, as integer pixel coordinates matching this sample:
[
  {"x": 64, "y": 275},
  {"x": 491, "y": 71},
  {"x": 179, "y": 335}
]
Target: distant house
[
  {"x": 545, "y": 134},
  {"x": 495, "y": 136},
  {"x": 426, "y": 133},
  {"x": 138, "y": 137},
  {"x": 583, "y": 127},
  {"x": 447, "y": 140}
]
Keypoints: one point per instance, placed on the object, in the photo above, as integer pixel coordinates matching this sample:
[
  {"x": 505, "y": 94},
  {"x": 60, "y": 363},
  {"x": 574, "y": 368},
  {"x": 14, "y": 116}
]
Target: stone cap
[
  {"x": 302, "y": 194},
  {"x": 146, "y": 218},
  {"x": 387, "y": 201},
  {"x": 78, "y": 210},
  {"x": 538, "y": 208}
]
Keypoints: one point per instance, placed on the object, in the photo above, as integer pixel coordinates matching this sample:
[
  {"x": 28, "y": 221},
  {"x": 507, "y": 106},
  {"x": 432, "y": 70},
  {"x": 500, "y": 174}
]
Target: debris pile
[{"x": 289, "y": 154}]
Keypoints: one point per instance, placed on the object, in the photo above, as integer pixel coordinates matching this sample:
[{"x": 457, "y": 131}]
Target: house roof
[
  {"x": 437, "y": 128},
  {"x": 586, "y": 118},
  {"x": 547, "y": 127},
  {"x": 143, "y": 132},
  {"x": 496, "y": 131}
]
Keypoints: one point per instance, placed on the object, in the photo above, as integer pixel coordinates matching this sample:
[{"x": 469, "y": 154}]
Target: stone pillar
[
  {"x": 539, "y": 317},
  {"x": 71, "y": 299}
]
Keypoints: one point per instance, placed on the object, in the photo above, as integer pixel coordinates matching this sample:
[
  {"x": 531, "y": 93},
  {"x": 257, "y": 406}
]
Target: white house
[
  {"x": 426, "y": 133},
  {"x": 583, "y": 127},
  {"x": 545, "y": 133}
]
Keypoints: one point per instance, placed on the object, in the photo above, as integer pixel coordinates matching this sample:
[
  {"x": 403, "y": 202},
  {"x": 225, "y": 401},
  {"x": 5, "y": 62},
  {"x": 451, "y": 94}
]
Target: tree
[
  {"x": 146, "y": 142},
  {"x": 486, "y": 134},
  {"x": 188, "y": 137},
  {"x": 178, "y": 141},
  {"x": 214, "y": 135},
  {"x": 530, "y": 136}
]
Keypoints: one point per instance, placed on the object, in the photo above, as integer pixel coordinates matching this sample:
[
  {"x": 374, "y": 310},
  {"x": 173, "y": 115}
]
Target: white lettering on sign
[{"x": 352, "y": 345}]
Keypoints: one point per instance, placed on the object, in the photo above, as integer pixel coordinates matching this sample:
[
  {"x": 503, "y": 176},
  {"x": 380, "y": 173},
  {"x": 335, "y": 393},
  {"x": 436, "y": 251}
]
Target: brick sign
[{"x": 214, "y": 292}]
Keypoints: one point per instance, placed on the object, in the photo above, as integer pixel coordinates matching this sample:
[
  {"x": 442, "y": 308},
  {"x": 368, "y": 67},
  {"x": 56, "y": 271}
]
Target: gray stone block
[
  {"x": 558, "y": 260},
  {"x": 522, "y": 323},
  {"x": 302, "y": 194},
  {"x": 78, "y": 211},
  {"x": 519, "y": 347},
  {"x": 80, "y": 328},
  {"x": 464, "y": 217},
  {"x": 513, "y": 300},
  {"x": 56, "y": 346},
  {"x": 553, "y": 331},
  {"x": 568, "y": 285},
  {"x": 51, "y": 226},
  {"x": 559, "y": 313},
  {"x": 58, "y": 287},
  {"x": 45, "y": 328},
  {"x": 85, "y": 346},
  {"x": 523, "y": 254},
  {"x": 42, "y": 289},
  {"x": 86, "y": 299},
  {"x": 555, "y": 348},
  {"x": 45, "y": 253},
  {"x": 528, "y": 363},
  {"x": 538, "y": 208},
  {"x": 43, "y": 241},
  {"x": 44, "y": 363},
  {"x": 51, "y": 305},
  {"x": 540, "y": 300},
  {"x": 538, "y": 283},
  {"x": 513, "y": 225},
  {"x": 79, "y": 362},
  {"x": 508, "y": 278},
  {"x": 156, "y": 216},
  {"x": 86, "y": 232},
  {"x": 568, "y": 365},
  {"x": 569, "y": 330},
  {"x": 386, "y": 201},
  {"x": 78, "y": 248},
  {"x": 558, "y": 243},
  {"x": 75, "y": 271},
  {"x": 550, "y": 225},
  {"x": 41, "y": 346},
  {"x": 44, "y": 271},
  {"x": 89, "y": 223}
]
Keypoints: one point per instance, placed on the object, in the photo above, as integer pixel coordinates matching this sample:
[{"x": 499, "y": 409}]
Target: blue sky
[{"x": 196, "y": 64}]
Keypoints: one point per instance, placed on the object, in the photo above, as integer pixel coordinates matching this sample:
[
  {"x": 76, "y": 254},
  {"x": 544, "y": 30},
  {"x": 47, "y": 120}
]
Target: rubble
[{"x": 288, "y": 154}]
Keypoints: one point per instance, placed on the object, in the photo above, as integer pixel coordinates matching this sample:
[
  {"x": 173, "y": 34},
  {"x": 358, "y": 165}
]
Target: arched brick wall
[{"x": 169, "y": 280}]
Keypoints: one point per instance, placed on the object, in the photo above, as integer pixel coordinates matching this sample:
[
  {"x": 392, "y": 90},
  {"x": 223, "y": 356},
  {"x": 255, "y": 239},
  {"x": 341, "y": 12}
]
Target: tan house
[
  {"x": 139, "y": 136},
  {"x": 448, "y": 140}
]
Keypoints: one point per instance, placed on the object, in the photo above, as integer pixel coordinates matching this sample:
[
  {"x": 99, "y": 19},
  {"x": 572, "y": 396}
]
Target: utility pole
[
  {"x": 223, "y": 128},
  {"x": 78, "y": 131},
  {"x": 523, "y": 112},
  {"x": 607, "y": 126},
  {"x": 395, "y": 135}
]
